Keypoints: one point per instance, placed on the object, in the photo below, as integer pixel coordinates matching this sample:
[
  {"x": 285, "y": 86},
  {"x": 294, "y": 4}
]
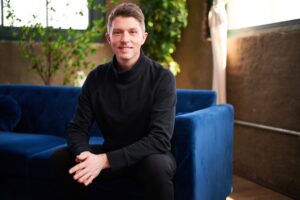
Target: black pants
[{"x": 154, "y": 175}]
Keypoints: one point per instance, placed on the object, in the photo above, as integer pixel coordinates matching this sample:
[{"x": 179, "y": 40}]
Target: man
[{"x": 132, "y": 99}]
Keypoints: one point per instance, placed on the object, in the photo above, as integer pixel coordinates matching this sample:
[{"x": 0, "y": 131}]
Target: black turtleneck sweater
[{"x": 135, "y": 111}]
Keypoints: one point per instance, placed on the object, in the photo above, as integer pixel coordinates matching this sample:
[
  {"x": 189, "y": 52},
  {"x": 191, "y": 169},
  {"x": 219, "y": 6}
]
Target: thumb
[{"x": 82, "y": 156}]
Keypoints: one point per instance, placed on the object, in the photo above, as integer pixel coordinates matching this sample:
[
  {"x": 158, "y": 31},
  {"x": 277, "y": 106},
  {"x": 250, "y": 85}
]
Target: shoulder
[
  {"x": 162, "y": 79},
  {"x": 95, "y": 77},
  {"x": 160, "y": 72},
  {"x": 98, "y": 73},
  {"x": 100, "y": 70}
]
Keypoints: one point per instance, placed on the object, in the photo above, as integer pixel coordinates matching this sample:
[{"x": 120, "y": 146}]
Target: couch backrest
[
  {"x": 44, "y": 109},
  {"x": 48, "y": 109},
  {"x": 192, "y": 100}
]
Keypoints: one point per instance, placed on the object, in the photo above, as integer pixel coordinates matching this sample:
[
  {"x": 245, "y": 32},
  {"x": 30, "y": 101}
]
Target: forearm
[
  {"x": 78, "y": 140},
  {"x": 77, "y": 132}
]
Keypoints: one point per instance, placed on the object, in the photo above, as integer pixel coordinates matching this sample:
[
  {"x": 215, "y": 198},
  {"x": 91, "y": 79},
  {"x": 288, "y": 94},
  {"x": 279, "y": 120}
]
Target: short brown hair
[{"x": 126, "y": 10}]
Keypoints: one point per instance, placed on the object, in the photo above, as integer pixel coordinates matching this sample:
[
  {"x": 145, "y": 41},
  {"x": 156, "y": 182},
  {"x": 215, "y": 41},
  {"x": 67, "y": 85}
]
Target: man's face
[{"x": 126, "y": 37}]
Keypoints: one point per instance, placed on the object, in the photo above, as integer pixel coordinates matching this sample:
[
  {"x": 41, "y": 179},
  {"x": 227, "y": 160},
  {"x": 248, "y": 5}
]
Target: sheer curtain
[{"x": 217, "y": 19}]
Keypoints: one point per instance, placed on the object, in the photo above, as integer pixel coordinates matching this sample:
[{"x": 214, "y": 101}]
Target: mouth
[{"x": 124, "y": 48}]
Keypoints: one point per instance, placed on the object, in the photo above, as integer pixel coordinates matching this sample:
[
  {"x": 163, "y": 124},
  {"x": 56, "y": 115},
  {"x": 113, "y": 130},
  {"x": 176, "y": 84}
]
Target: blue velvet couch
[{"x": 33, "y": 121}]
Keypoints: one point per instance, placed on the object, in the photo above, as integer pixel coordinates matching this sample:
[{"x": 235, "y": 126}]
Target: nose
[{"x": 125, "y": 37}]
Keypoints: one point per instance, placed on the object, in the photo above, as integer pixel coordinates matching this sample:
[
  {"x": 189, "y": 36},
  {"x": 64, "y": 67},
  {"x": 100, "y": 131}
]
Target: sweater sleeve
[
  {"x": 161, "y": 125},
  {"x": 77, "y": 133}
]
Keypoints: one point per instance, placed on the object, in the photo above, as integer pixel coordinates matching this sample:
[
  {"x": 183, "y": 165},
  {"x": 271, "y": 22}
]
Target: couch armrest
[{"x": 203, "y": 147}]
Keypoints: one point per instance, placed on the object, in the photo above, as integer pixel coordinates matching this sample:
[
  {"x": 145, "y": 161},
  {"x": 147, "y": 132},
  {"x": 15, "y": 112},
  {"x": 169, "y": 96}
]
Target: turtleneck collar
[{"x": 130, "y": 75}]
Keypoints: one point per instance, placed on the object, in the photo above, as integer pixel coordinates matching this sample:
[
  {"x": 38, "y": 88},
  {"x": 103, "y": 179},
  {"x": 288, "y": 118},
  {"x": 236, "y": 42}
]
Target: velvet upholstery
[
  {"x": 205, "y": 133},
  {"x": 10, "y": 113},
  {"x": 202, "y": 144}
]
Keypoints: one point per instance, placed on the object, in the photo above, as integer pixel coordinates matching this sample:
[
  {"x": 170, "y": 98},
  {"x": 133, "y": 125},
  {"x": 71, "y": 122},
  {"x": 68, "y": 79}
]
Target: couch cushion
[
  {"x": 10, "y": 113},
  {"x": 16, "y": 149},
  {"x": 39, "y": 163}
]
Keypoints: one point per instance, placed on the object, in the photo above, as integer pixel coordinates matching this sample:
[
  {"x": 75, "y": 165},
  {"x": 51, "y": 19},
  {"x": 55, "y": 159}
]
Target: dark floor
[{"x": 246, "y": 190}]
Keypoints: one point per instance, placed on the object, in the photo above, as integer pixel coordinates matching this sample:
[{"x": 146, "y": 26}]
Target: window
[
  {"x": 62, "y": 14},
  {"x": 74, "y": 14},
  {"x": 249, "y": 13},
  {"x": 56, "y": 13}
]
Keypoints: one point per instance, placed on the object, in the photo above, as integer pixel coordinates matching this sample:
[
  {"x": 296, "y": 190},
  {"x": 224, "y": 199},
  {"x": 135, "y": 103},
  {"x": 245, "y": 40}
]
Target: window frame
[{"x": 284, "y": 26}]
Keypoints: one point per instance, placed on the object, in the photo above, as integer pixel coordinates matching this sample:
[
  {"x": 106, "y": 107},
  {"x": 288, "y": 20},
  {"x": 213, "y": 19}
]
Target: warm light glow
[
  {"x": 246, "y": 13},
  {"x": 229, "y": 198}
]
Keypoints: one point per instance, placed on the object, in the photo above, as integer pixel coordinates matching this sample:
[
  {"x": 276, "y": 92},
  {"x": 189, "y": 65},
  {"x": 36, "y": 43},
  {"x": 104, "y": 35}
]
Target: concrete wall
[
  {"x": 263, "y": 79},
  {"x": 14, "y": 68},
  {"x": 194, "y": 53}
]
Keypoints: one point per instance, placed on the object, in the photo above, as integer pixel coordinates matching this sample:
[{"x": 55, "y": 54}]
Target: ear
[
  {"x": 145, "y": 37},
  {"x": 107, "y": 38}
]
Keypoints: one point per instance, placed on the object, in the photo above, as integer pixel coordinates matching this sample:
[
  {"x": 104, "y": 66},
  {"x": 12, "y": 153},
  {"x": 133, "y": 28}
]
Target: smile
[{"x": 125, "y": 47}]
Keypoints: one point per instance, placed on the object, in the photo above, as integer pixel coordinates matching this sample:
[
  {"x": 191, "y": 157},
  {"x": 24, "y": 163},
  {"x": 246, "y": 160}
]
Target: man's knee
[{"x": 158, "y": 167}]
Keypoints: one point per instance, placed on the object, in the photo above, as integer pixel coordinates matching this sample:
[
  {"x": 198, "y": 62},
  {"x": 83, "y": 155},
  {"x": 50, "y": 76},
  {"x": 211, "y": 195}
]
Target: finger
[
  {"x": 79, "y": 174},
  {"x": 84, "y": 178},
  {"x": 77, "y": 167},
  {"x": 82, "y": 156},
  {"x": 89, "y": 180},
  {"x": 77, "y": 160}
]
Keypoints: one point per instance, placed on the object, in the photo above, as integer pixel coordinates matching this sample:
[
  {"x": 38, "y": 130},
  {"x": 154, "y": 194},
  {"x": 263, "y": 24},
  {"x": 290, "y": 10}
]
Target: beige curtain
[{"x": 217, "y": 19}]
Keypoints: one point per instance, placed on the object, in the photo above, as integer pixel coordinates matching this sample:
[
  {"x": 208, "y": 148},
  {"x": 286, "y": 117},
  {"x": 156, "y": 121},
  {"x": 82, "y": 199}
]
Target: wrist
[{"x": 104, "y": 160}]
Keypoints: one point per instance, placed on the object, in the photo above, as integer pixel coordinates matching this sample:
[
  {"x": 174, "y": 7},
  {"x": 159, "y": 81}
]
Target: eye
[
  {"x": 133, "y": 32},
  {"x": 117, "y": 32}
]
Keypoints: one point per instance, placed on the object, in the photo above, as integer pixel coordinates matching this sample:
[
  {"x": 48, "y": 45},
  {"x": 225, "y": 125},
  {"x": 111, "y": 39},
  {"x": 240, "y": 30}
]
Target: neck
[{"x": 125, "y": 65}]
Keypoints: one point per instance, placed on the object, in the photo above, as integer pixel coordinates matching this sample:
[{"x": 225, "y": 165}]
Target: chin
[{"x": 126, "y": 56}]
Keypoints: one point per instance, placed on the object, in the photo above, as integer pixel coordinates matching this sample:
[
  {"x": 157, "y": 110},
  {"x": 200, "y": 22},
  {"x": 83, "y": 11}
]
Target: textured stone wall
[{"x": 263, "y": 80}]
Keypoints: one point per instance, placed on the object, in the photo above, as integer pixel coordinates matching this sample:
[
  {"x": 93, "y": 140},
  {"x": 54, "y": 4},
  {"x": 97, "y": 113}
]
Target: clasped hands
[{"x": 89, "y": 167}]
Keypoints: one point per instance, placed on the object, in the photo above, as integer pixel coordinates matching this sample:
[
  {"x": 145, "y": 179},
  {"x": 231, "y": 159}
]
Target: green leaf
[{"x": 165, "y": 21}]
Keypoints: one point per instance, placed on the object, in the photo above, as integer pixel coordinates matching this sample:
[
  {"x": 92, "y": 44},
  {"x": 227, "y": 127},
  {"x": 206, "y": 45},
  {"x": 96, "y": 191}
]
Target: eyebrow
[{"x": 120, "y": 29}]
